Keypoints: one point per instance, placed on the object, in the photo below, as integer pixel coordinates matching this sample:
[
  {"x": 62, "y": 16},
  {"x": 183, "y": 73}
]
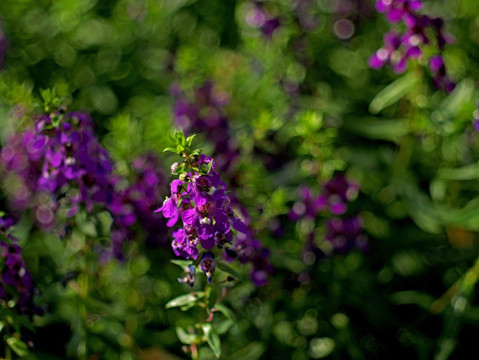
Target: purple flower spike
[{"x": 209, "y": 221}]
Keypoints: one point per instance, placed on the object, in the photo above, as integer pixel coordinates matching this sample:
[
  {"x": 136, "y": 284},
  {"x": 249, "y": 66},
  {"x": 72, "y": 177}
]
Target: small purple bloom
[
  {"x": 208, "y": 265},
  {"x": 190, "y": 276}
]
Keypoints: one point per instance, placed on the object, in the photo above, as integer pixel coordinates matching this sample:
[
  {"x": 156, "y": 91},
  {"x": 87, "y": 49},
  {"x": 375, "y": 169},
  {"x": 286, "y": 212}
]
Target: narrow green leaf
[
  {"x": 469, "y": 172},
  {"x": 373, "y": 128},
  {"x": 419, "y": 298},
  {"x": 224, "y": 326},
  {"x": 2, "y": 325},
  {"x": 210, "y": 165},
  {"x": 182, "y": 263},
  {"x": 185, "y": 338},
  {"x": 190, "y": 139},
  {"x": 170, "y": 149},
  {"x": 393, "y": 92},
  {"x": 227, "y": 269},
  {"x": 181, "y": 301},
  {"x": 251, "y": 351},
  {"x": 212, "y": 339},
  {"x": 18, "y": 346},
  {"x": 226, "y": 311}
]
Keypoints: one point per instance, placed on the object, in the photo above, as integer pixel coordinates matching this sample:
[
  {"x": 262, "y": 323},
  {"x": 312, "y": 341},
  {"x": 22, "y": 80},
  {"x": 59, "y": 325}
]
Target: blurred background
[{"x": 281, "y": 94}]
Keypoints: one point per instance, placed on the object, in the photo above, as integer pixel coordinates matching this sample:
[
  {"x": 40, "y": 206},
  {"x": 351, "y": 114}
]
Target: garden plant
[{"x": 239, "y": 179}]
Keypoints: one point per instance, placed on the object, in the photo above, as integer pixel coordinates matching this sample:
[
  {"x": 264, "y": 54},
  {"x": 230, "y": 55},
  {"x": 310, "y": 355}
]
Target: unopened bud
[{"x": 174, "y": 167}]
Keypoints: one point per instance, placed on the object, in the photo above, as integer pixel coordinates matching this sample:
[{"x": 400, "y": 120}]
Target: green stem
[
  {"x": 207, "y": 298},
  {"x": 8, "y": 352}
]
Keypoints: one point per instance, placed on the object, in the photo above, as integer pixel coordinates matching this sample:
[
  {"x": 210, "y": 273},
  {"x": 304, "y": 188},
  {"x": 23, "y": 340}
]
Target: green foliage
[{"x": 300, "y": 105}]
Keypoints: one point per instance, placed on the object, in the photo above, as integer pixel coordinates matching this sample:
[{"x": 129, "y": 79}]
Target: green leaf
[
  {"x": 224, "y": 326},
  {"x": 467, "y": 217},
  {"x": 419, "y": 298},
  {"x": 170, "y": 149},
  {"x": 182, "y": 300},
  {"x": 226, "y": 311},
  {"x": 2, "y": 325},
  {"x": 182, "y": 263},
  {"x": 227, "y": 269},
  {"x": 210, "y": 165},
  {"x": 251, "y": 351},
  {"x": 469, "y": 172},
  {"x": 393, "y": 92},
  {"x": 185, "y": 338},
  {"x": 18, "y": 346},
  {"x": 190, "y": 139},
  {"x": 374, "y": 128},
  {"x": 212, "y": 339}
]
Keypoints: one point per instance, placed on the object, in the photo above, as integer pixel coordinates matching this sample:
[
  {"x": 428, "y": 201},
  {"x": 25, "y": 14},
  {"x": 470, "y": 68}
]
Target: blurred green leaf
[
  {"x": 185, "y": 338},
  {"x": 224, "y": 326},
  {"x": 182, "y": 263},
  {"x": 224, "y": 310},
  {"x": 228, "y": 269},
  {"x": 373, "y": 128},
  {"x": 183, "y": 300},
  {"x": 212, "y": 339},
  {"x": 419, "y": 298},
  {"x": 393, "y": 92},
  {"x": 469, "y": 172},
  {"x": 18, "y": 346},
  {"x": 252, "y": 351}
]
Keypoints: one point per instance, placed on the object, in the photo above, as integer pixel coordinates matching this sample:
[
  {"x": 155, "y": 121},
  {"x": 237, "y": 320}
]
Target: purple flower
[
  {"x": 398, "y": 48},
  {"x": 306, "y": 207},
  {"x": 204, "y": 113},
  {"x": 54, "y": 160},
  {"x": 190, "y": 276},
  {"x": 208, "y": 265},
  {"x": 346, "y": 234},
  {"x": 204, "y": 208},
  {"x": 16, "y": 281},
  {"x": 249, "y": 250},
  {"x": 336, "y": 194}
]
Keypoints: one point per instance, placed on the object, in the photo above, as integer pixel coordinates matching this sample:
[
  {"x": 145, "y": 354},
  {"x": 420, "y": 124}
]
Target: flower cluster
[
  {"x": 16, "y": 281},
  {"x": 199, "y": 199},
  {"x": 205, "y": 115},
  {"x": 59, "y": 164},
  {"x": 399, "y": 47},
  {"x": 56, "y": 152},
  {"x": 135, "y": 204},
  {"x": 250, "y": 250},
  {"x": 336, "y": 193},
  {"x": 343, "y": 234},
  {"x": 346, "y": 234}
]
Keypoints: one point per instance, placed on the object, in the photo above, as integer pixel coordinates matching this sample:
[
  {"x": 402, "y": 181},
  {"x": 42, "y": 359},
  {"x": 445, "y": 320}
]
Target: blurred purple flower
[
  {"x": 346, "y": 234},
  {"x": 208, "y": 265},
  {"x": 399, "y": 48},
  {"x": 16, "y": 281},
  {"x": 204, "y": 114}
]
